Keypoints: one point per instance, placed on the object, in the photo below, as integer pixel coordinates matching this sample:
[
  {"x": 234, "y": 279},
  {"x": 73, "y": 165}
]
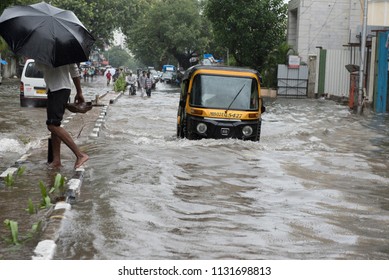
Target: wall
[
  {"x": 337, "y": 77},
  {"x": 9, "y": 70},
  {"x": 329, "y": 24},
  {"x": 378, "y": 13}
]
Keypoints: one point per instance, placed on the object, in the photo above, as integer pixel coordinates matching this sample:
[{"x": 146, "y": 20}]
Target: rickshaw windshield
[{"x": 224, "y": 92}]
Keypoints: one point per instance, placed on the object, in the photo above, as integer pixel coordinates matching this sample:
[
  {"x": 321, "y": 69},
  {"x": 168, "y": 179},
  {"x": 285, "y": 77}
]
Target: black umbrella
[{"x": 48, "y": 34}]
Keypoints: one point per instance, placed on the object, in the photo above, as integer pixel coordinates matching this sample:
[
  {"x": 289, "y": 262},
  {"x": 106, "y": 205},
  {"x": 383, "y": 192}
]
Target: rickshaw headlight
[
  {"x": 247, "y": 130},
  {"x": 201, "y": 128}
]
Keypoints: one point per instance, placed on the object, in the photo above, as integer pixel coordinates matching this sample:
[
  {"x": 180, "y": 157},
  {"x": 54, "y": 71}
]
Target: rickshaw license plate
[{"x": 224, "y": 131}]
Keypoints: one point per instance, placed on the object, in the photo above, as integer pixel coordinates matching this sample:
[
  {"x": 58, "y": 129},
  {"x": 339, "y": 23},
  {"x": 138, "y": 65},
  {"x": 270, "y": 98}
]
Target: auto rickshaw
[{"x": 220, "y": 102}]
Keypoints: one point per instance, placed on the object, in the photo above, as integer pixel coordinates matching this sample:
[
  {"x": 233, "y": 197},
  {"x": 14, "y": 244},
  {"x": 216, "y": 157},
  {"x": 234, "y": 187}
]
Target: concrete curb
[
  {"x": 12, "y": 169},
  {"x": 45, "y": 250},
  {"x": 99, "y": 122}
]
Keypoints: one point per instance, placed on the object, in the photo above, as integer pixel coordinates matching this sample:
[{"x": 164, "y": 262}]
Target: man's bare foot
[
  {"x": 54, "y": 165},
  {"x": 81, "y": 160}
]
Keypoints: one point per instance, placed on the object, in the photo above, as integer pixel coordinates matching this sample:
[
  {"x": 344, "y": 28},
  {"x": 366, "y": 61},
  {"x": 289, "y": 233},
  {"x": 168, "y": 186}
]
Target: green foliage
[
  {"x": 120, "y": 83},
  {"x": 46, "y": 201},
  {"x": 13, "y": 227},
  {"x": 36, "y": 227},
  {"x": 100, "y": 25},
  {"x": 118, "y": 57},
  {"x": 277, "y": 56},
  {"x": 9, "y": 180},
  {"x": 59, "y": 184},
  {"x": 103, "y": 17},
  {"x": 14, "y": 231},
  {"x": 5, "y": 3},
  {"x": 31, "y": 209},
  {"x": 249, "y": 29},
  {"x": 169, "y": 32},
  {"x": 158, "y": 32},
  {"x": 20, "y": 170},
  {"x": 3, "y": 45}
]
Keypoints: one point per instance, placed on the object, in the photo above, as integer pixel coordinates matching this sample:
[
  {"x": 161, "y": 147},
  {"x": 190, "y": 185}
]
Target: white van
[{"x": 32, "y": 86}]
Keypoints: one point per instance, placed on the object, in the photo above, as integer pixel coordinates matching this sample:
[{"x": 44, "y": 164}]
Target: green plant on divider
[
  {"x": 13, "y": 227},
  {"x": 9, "y": 180},
  {"x": 36, "y": 227},
  {"x": 59, "y": 185},
  {"x": 120, "y": 84},
  {"x": 20, "y": 170},
  {"x": 31, "y": 209},
  {"x": 46, "y": 201}
]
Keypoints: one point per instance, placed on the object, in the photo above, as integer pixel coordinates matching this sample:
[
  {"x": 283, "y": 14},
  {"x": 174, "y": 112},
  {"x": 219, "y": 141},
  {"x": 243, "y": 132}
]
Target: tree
[
  {"x": 276, "y": 56},
  {"x": 118, "y": 57},
  {"x": 249, "y": 29},
  {"x": 4, "y": 4},
  {"x": 170, "y": 31},
  {"x": 100, "y": 17}
]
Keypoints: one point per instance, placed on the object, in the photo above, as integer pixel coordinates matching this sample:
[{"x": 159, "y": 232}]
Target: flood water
[{"x": 315, "y": 187}]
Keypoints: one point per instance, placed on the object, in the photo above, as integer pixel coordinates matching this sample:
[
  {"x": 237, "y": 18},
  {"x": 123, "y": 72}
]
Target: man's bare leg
[
  {"x": 81, "y": 160},
  {"x": 56, "y": 146},
  {"x": 65, "y": 137}
]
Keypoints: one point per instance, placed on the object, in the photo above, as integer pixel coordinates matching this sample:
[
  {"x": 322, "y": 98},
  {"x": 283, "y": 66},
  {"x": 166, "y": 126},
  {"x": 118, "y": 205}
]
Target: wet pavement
[{"x": 315, "y": 187}]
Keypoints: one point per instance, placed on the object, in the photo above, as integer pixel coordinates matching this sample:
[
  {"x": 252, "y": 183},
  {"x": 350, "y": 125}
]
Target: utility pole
[{"x": 362, "y": 63}]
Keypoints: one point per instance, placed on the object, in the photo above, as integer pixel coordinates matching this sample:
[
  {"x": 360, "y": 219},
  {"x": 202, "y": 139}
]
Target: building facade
[
  {"x": 327, "y": 36},
  {"x": 327, "y": 24}
]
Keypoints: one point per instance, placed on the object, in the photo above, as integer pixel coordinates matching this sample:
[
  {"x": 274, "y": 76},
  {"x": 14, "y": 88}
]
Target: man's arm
[
  {"x": 74, "y": 73},
  {"x": 79, "y": 98}
]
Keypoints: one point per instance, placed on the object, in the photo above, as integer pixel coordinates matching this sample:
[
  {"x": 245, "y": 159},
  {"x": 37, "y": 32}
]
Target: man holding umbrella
[
  {"x": 59, "y": 86},
  {"x": 56, "y": 39}
]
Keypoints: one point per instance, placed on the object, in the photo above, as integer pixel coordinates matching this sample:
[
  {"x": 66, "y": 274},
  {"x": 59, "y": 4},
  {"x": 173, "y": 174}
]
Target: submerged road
[{"x": 314, "y": 187}]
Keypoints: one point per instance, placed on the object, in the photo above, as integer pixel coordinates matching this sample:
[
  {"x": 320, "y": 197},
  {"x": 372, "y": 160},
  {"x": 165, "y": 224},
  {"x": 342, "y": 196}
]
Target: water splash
[{"x": 11, "y": 145}]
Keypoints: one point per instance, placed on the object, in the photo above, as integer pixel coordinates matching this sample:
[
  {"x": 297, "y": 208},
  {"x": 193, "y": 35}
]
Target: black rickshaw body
[{"x": 220, "y": 102}]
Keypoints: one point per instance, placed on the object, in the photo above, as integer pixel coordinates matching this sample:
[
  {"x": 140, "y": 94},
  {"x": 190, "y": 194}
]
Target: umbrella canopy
[
  {"x": 48, "y": 34},
  {"x": 111, "y": 70}
]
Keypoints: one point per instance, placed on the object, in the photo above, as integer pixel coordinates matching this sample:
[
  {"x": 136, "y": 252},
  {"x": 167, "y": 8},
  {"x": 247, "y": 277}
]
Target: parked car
[
  {"x": 220, "y": 102},
  {"x": 33, "y": 91}
]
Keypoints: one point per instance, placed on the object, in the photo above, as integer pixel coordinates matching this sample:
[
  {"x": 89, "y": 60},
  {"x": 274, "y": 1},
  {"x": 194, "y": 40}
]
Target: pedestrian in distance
[
  {"x": 108, "y": 76},
  {"x": 116, "y": 75},
  {"x": 130, "y": 81},
  {"x": 148, "y": 84},
  {"x": 91, "y": 73},
  {"x": 142, "y": 83},
  {"x": 85, "y": 74},
  {"x": 58, "y": 83}
]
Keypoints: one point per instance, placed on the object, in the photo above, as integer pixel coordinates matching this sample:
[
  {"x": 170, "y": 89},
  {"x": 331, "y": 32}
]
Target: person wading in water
[{"x": 58, "y": 82}]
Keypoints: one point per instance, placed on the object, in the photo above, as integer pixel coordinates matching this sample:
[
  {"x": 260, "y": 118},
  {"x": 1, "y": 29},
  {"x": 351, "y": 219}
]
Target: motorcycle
[{"x": 132, "y": 89}]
